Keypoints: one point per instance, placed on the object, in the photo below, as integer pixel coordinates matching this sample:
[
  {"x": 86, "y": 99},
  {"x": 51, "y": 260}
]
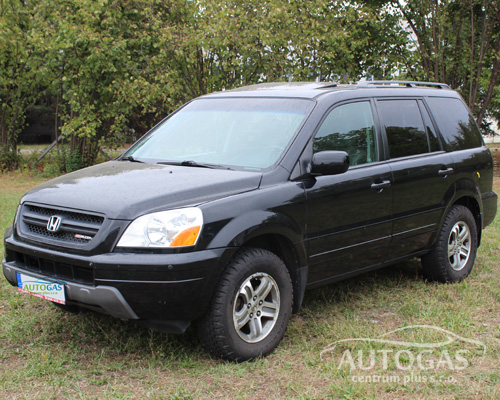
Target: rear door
[
  {"x": 348, "y": 215},
  {"x": 423, "y": 174}
]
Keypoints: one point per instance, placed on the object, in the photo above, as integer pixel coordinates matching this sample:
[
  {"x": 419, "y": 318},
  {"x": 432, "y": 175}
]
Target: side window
[
  {"x": 431, "y": 132},
  {"x": 456, "y": 124},
  {"x": 349, "y": 128},
  {"x": 404, "y": 127}
]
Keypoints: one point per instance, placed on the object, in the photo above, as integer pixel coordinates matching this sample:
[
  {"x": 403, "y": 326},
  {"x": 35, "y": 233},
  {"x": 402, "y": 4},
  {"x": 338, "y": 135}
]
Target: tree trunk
[
  {"x": 493, "y": 82},
  {"x": 471, "y": 54}
]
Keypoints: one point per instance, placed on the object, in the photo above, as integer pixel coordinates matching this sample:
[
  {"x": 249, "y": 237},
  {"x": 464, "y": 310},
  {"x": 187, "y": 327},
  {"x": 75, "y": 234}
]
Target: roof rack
[
  {"x": 331, "y": 84},
  {"x": 403, "y": 83}
]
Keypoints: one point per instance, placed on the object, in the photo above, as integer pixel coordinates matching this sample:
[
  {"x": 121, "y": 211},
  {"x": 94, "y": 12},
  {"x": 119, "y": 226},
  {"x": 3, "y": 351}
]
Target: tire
[
  {"x": 250, "y": 309},
  {"x": 453, "y": 255}
]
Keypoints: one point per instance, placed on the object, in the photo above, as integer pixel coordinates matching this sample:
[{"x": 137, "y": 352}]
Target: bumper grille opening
[{"x": 57, "y": 270}]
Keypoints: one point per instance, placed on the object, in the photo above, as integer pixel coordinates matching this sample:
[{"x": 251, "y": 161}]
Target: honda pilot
[{"x": 230, "y": 208}]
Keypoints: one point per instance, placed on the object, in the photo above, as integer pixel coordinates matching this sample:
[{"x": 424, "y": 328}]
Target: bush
[
  {"x": 74, "y": 161},
  {"x": 64, "y": 161},
  {"x": 9, "y": 160}
]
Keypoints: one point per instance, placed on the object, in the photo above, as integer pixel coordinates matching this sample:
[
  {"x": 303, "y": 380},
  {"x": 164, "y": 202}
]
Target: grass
[
  {"x": 38, "y": 149},
  {"x": 49, "y": 354}
]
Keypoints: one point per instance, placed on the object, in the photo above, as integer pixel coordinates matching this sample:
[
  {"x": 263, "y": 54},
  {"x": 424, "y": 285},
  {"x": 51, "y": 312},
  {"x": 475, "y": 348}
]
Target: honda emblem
[{"x": 54, "y": 223}]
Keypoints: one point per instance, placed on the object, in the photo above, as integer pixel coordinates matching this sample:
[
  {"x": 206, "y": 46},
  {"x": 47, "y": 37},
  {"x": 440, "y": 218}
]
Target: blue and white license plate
[{"x": 53, "y": 291}]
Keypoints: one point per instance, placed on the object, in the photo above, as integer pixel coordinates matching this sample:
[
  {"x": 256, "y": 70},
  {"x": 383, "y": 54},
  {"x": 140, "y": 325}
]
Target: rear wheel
[
  {"x": 251, "y": 307},
  {"x": 452, "y": 257}
]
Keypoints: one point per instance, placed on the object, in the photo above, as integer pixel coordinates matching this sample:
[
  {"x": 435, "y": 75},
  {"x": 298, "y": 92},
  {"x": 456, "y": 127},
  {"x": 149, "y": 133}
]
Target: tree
[
  {"x": 456, "y": 42},
  {"x": 233, "y": 42},
  {"x": 100, "y": 56},
  {"x": 19, "y": 64},
  {"x": 112, "y": 68}
]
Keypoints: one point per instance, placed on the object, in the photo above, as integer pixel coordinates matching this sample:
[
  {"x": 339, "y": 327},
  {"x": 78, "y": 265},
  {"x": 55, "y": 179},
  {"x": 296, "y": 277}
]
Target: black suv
[{"x": 226, "y": 211}]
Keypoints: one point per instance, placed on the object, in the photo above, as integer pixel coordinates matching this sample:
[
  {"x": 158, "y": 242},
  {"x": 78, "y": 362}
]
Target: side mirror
[{"x": 329, "y": 163}]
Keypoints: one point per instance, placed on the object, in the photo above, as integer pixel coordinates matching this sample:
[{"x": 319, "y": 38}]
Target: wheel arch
[
  {"x": 287, "y": 251},
  {"x": 473, "y": 205},
  {"x": 470, "y": 202},
  {"x": 270, "y": 230}
]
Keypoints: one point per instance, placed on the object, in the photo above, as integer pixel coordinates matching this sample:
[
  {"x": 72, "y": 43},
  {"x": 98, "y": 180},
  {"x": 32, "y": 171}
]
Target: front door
[{"x": 348, "y": 215}]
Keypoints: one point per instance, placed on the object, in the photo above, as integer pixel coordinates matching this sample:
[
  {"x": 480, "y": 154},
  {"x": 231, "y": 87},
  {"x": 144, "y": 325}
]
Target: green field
[{"x": 46, "y": 353}]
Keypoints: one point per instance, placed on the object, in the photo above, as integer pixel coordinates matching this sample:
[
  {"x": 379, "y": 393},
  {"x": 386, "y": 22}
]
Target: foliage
[
  {"x": 107, "y": 70},
  {"x": 9, "y": 160},
  {"x": 65, "y": 160},
  {"x": 18, "y": 70},
  {"x": 457, "y": 42},
  {"x": 98, "y": 57},
  {"x": 233, "y": 43}
]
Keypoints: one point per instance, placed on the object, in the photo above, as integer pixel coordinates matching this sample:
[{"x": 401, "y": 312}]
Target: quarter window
[
  {"x": 349, "y": 128},
  {"x": 456, "y": 124}
]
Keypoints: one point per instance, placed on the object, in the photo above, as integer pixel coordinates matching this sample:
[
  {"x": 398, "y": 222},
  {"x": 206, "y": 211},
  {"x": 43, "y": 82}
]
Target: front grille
[
  {"x": 53, "y": 269},
  {"x": 75, "y": 227}
]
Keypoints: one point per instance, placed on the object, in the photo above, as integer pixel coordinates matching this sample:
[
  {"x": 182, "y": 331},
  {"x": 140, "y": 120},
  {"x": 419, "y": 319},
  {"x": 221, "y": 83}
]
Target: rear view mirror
[{"x": 329, "y": 163}]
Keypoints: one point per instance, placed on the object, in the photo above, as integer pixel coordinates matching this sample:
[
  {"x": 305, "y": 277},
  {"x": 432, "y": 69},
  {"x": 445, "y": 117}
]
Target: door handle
[
  {"x": 445, "y": 172},
  {"x": 380, "y": 186}
]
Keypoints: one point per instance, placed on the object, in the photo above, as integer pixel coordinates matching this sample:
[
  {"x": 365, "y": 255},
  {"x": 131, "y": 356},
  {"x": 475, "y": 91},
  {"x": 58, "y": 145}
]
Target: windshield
[{"x": 240, "y": 133}]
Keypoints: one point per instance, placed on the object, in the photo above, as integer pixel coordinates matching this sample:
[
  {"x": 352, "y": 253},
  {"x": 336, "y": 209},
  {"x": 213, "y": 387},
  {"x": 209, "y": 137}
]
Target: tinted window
[
  {"x": 404, "y": 127},
  {"x": 349, "y": 128},
  {"x": 456, "y": 124},
  {"x": 429, "y": 128}
]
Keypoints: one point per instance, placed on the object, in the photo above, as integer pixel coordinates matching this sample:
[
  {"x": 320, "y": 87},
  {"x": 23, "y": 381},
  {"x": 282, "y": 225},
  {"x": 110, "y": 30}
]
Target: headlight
[{"x": 175, "y": 228}]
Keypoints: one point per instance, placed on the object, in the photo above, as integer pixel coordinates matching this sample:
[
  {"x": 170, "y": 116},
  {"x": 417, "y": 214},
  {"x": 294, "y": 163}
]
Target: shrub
[
  {"x": 9, "y": 159},
  {"x": 65, "y": 160}
]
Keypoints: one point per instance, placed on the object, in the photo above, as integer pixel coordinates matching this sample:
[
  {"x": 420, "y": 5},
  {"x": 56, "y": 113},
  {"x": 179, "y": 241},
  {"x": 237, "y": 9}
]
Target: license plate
[{"x": 53, "y": 291}]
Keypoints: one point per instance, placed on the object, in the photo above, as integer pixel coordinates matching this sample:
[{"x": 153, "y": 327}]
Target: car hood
[{"x": 126, "y": 190}]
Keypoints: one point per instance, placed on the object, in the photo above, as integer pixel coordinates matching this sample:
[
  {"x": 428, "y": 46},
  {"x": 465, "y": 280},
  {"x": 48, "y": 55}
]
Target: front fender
[
  {"x": 272, "y": 230},
  {"x": 278, "y": 210}
]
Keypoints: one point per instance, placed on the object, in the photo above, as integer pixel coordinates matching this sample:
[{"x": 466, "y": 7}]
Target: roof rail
[
  {"x": 403, "y": 83},
  {"x": 331, "y": 84}
]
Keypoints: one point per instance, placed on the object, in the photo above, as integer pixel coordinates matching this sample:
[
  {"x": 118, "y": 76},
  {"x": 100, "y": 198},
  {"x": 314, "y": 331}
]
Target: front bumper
[
  {"x": 165, "y": 291},
  {"x": 108, "y": 298}
]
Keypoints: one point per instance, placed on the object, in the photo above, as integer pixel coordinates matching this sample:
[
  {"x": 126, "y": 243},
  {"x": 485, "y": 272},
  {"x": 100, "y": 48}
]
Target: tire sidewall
[
  {"x": 274, "y": 267},
  {"x": 458, "y": 214}
]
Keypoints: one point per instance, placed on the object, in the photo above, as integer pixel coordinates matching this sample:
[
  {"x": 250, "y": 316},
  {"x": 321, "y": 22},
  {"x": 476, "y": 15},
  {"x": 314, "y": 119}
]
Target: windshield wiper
[
  {"x": 131, "y": 159},
  {"x": 190, "y": 163}
]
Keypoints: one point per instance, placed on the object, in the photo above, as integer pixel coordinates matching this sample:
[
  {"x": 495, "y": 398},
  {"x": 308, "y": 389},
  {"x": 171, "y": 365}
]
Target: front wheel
[
  {"x": 251, "y": 307},
  {"x": 452, "y": 257}
]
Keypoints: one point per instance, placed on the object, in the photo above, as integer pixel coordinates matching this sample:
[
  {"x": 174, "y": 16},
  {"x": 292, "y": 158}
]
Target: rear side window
[
  {"x": 349, "y": 128},
  {"x": 431, "y": 131},
  {"x": 456, "y": 124},
  {"x": 404, "y": 127}
]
